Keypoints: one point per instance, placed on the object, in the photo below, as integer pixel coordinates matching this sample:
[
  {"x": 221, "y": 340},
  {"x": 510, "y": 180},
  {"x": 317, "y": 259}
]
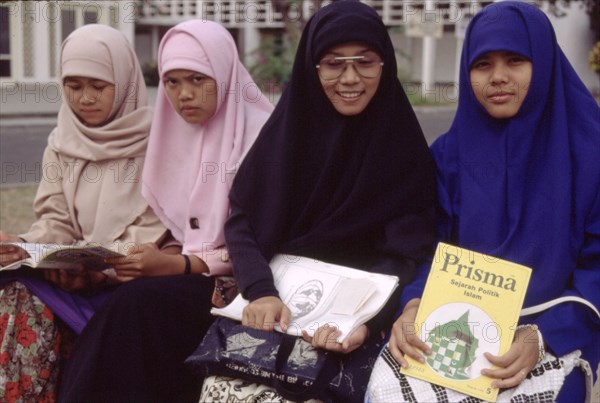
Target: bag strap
[
  {"x": 546, "y": 305},
  {"x": 589, "y": 378},
  {"x": 316, "y": 389},
  {"x": 583, "y": 364}
]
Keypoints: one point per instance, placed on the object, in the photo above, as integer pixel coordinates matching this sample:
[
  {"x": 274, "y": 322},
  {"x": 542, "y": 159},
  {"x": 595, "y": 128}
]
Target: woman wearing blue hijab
[{"x": 519, "y": 179}]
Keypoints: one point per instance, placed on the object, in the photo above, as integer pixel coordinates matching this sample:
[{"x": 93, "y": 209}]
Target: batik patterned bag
[{"x": 296, "y": 369}]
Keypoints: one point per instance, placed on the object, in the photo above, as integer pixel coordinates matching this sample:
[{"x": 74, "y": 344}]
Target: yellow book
[{"x": 470, "y": 306}]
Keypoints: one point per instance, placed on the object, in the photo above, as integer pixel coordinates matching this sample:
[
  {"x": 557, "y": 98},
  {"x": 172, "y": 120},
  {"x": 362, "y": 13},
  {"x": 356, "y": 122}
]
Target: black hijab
[{"x": 347, "y": 189}]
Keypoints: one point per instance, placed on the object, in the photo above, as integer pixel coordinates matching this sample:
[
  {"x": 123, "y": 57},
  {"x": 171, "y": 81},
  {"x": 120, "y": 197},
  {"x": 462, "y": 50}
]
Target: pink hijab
[{"x": 190, "y": 167}]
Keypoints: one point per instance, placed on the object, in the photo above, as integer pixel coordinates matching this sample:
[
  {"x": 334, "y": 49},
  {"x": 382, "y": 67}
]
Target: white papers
[
  {"x": 319, "y": 293},
  {"x": 352, "y": 295}
]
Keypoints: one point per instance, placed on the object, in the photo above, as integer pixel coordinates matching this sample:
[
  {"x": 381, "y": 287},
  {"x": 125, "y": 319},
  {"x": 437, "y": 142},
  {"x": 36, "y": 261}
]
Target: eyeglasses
[{"x": 368, "y": 65}]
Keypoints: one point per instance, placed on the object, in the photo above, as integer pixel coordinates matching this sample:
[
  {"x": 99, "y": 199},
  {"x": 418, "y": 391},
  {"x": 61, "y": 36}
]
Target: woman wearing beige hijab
[{"x": 90, "y": 192}]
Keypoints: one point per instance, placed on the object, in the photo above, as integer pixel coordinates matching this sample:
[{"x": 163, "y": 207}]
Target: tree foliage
[{"x": 275, "y": 56}]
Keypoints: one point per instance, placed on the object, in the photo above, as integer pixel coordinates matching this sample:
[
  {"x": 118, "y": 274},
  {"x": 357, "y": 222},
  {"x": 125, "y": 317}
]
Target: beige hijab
[{"x": 103, "y": 165}]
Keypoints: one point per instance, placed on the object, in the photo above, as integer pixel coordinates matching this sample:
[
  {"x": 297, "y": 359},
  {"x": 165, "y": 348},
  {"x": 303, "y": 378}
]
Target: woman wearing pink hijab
[{"x": 207, "y": 115}]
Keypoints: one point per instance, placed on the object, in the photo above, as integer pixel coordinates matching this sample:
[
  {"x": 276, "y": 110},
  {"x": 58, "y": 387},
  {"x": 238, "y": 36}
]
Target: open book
[
  {"x": 53, "y": 256},
  {"x": 319, "y": 293}
]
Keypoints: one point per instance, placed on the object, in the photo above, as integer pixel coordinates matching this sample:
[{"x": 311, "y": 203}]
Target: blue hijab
[{"x": 527, "y": 189}]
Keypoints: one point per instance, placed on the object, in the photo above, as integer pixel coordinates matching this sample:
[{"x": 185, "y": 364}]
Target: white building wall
[
  {"x": 40, "y": 42},
  {"x": 445, "y": 68},
  {"x": 404, "y": 47},
  {"x": 576, "y": 40},
  {"x": 410, "y": 57},
  {"x": 36, "y": 33}
]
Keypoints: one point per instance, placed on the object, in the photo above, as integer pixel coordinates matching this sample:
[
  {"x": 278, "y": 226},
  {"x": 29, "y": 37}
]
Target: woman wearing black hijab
[{"x": 340, "y": 172}]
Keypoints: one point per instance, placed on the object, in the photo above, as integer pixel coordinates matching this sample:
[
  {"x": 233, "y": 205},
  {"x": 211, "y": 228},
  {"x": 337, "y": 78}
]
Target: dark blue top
[
  {"x": 527, "y": 189},
  {"x": 352, "y": 190}
]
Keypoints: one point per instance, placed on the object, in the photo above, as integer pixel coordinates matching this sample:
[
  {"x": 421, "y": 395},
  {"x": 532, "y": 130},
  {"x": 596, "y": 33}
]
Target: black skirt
[{"x": 134, "y": 347}]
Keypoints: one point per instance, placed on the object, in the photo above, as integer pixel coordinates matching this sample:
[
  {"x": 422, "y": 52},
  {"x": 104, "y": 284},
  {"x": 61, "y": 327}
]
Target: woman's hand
[
  {"x": 146, "y": 260},
  {"x": 11, "y": 253},
  {"x": 404, "y": 339},
  {"x": 326, "y": 336},
  {"x": 265, "y": 312},
  {"x": 518, "y": 361},
  {"x": 4, "y": 237},
  {"x": 75, "y": 280}
]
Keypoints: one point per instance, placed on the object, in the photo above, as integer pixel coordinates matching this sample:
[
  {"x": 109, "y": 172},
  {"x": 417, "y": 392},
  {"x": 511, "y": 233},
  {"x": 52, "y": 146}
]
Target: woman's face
[
  {"x": 192, "y": 94},
  {"x": 500, "y": 81},
  {"x": 90, "y": 99},
  {"x": 350, "y": 75}
]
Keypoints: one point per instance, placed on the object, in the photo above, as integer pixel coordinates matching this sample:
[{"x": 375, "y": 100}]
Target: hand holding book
[
  {"x": 5, "y": 237},
  {"x": 265, "y": 313},
  {"x": 10, "y": 254},
  {"x": 326, "y": 337},
  {"x": 146, "y": 260},
  {"x": 312, "y": 294},
  {"x": 468, "y": 328},
  {"x": 511, "y": 368},
  {"x": 15, "y": 255},
  {"x": 57, "y": 256},
  {"x": 404, "y": 338},
  {"x": 519, "y": 360},
  {"x": 269, "y": 313},
  {"x": 77, "y": 280}
]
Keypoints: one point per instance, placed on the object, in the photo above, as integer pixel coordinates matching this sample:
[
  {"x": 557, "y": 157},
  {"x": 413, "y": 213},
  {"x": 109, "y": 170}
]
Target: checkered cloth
[{"x": 542, "y": 384}]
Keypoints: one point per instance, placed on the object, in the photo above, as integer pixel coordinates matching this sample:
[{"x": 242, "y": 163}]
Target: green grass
[{"x": 16, "y": 208}]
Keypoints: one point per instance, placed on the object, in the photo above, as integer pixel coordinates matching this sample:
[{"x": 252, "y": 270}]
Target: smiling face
[
  {"x": 500, "y": 81},
  {"x": 90, "y": 99},
  {"x": 351, "y": 92},
  {"x": 193, "y": 95}
]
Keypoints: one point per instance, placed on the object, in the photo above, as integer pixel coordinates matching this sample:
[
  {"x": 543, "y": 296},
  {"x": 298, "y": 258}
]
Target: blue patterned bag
[{"x": 289, "y": 364}]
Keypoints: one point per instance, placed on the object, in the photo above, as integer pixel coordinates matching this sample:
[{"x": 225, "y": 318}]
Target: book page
[
  {"x": 87, "y": 258},
  {"x": 310, "y": 289},
  {"x": 68, "y": 257},
  {"x": 306, "y": 292},
  {"x": 353, "y": 293},
  {"x": 36, "y": 251}
]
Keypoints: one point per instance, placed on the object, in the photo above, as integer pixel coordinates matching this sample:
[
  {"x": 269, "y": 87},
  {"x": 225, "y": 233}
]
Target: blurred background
[{"x": 427, "y": 36}]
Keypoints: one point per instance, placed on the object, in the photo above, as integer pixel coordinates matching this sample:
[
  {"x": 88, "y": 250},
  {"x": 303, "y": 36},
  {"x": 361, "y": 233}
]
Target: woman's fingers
[
  {"x": 68, "y": 280},
  {"x": 325, "y": 336},
  {"x": 507, "y": 378},
  {"x": 10, "y": 254}
]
